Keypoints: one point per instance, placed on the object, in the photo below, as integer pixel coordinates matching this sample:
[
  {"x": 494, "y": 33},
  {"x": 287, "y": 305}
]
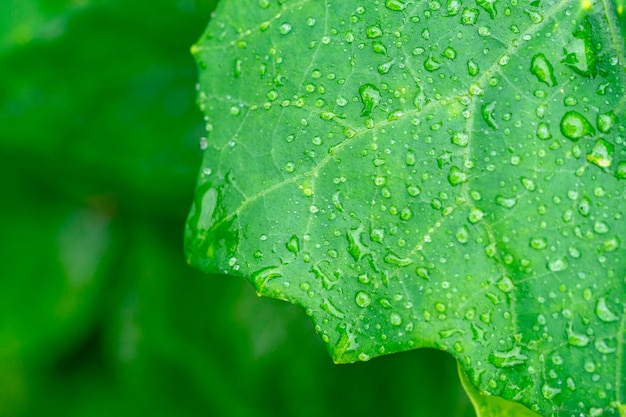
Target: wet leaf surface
[{"x": 430, "y": 174}]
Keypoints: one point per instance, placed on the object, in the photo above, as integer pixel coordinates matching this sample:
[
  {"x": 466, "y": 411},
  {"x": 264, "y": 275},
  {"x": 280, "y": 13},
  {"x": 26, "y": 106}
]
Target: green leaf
[
  {"x": 490, "y": 406},
  {"x": 428, "y": 174}
]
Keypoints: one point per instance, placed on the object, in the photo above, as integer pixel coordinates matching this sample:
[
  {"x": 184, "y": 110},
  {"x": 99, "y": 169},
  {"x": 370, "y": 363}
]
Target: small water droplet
[
  {"x": 543, "y": 131},
  {"x": 379, "y": 48},
  {"x": 472, "y": 68},
  {"x": 395, "y": 319},
  {"x": 469, "y": 16},
  {"x": 605, "y": 121},
  {"x": 620, "y": 172},
  {"x": 558, "y": 264},
  {"x": 374, "y": 32},
  {"x": 538, "y": 243},
  {"x": 293, "y": 245},
  {"x": 460, "y": 139},
  {"x": 362, "y": 299},
  {"x": 284, "y": 29},
  {"x": 528, "y": 183},
  {"x": 535, "y": 17},
  {"x": 576, "y": 339},
  {"x": 574, "y": 126},
  {"x": 475, "y": 215},
  {"x": 462, "y": 234},
  {"x": 549, "y": 392},
  {"x": 396, "y": 5}
]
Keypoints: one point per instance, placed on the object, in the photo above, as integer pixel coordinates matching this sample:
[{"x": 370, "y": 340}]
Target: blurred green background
[{"x": 99, "y": 313}]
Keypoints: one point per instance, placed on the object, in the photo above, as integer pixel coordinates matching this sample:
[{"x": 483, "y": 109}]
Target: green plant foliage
[
  {"x": 428, "y": 174},
  {"x": 99, "y": 314}
]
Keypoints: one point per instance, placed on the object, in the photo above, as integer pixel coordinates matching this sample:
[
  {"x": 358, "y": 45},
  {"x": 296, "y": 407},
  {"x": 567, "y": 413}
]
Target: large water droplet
[
  {"x": 508, "y": 359},
  {"x": 574, "y": 126},
  {"x": 488, "y": 114},
  {"x": 370, "y": 96},
  {"x": 603, "y": 311},
  {"x": 457, "y": 176},
  {"x": 489, "y": 6},
  {"x": 542, "y": 69},
  {"x": 601, "y": 154}
]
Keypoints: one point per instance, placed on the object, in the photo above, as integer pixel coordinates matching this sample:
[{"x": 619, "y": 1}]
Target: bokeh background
[{"x": 99, "y": 313}]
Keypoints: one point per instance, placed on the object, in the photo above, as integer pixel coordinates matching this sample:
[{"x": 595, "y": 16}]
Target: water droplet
[
  {"x": 505, "y": 202},
  {"x": 528, "y": 183},
  {"x": 542, "y": 69},
  {"x": 370, "y": 96},
  {"x": 576, "y": 339},
  {"x": 457, "y": 176},
  {"x": 462, "y": 234},
  {"x": 508, "y": 359},
  {"x": 284, "y": 29},
  {"x": 487, "y": 112},
  {"x": 584, "y": 207},
  {"x": 600, "y": 227},
  {"x": 535, "y": 17},
  {"x": 475, "y": 215},
  {"x": 601, "y": 154},
  {"x": 543, "y": 131},
  {"x": 472, "y": 68},
  {"x": 460, "y": 139},
  {"x": 362, "y": 299},
  {"x": 574, "y": 126},
  {"x": 413, "y": 190},
  {"x": 602, "y": 346},
  {"x": 620, "y": 172},
  {"x": 396, "y": 5},
  {"x": 374, "y": 32},
  {"x": 395, "y": 319},
  {"x": 549, "y": 392},
  {"x": 385, "y": 67},
  {"x": 449, "y": 53},
  {"x": 469, "y": 16},
  {"x": 393, "y": 259},
  {"x": 293, "y": 245},
  {"x": 538, "y": 243},
  {"x": 356, "y": 247},
  {"x": 605, "y": 121},
  {"x": 431, "y": 64},
  {"x": 406, "y": 214},
  {"x": 379, "y": 48},
  {"x": 506, "y": 284},
  {"x": 611, "y": 244},
  {"x": 558, "y": 264},
  {"x": 603, "y": 311}
]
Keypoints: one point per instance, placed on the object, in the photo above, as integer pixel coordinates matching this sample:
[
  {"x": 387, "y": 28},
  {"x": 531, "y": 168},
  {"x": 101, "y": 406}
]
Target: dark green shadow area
[{"x": 99, "y": 314}]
